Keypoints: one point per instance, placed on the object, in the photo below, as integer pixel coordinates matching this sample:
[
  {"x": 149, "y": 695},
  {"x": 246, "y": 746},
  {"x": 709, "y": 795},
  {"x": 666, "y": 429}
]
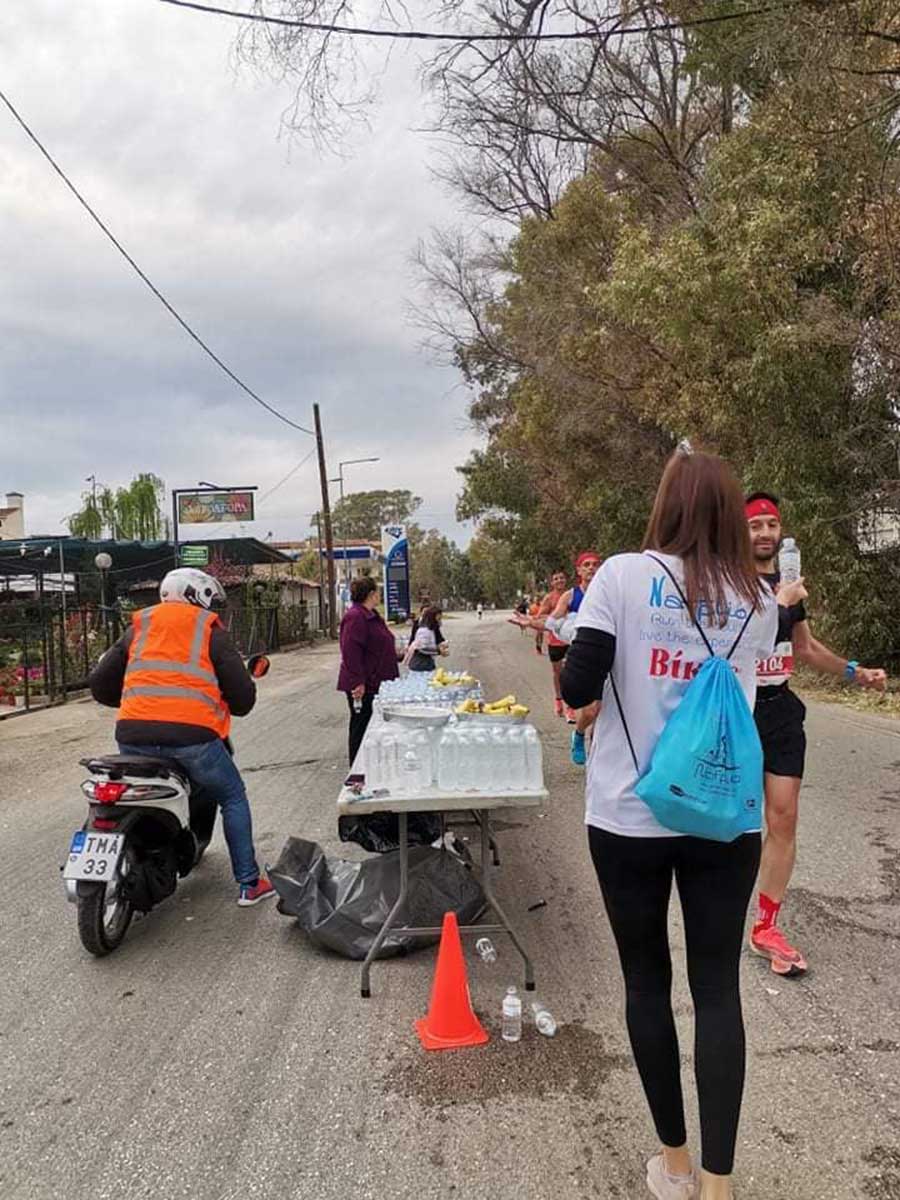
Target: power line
[
  {"x": 152, "y": 286},
  {"x": 293, "y": 471},
  {"x": 426, "y": 35}
]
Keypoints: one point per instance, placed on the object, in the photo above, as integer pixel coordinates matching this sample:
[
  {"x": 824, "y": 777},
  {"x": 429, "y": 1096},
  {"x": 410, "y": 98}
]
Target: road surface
[{"x": 217, "y": 1056}]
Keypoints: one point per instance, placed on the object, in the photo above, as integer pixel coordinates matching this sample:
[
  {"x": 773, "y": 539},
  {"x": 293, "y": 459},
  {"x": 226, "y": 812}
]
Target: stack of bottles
[
  {"x": 460, "y": 757},
  {"x": 414, "y": 688}
]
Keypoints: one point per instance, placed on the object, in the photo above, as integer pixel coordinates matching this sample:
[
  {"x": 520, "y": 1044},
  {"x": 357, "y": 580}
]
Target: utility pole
[
  {"x": 322, "y": 612},
  {"x": 326, "y": 519}
]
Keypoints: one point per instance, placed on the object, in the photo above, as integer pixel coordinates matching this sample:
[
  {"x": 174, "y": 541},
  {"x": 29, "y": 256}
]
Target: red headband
[
  {"x": 585, "y": 556},
  {"x": 761, "y": 507}
]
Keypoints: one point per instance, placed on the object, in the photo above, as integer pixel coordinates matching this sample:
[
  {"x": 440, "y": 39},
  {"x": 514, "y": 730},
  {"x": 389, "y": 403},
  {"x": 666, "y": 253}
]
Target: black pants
[
  {"x": 358, "y": 722},
  {"x": 715, "y": 880}
]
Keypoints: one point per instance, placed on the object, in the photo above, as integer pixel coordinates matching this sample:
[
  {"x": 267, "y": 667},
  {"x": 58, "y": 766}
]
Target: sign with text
[
  {"x": 205, "y": 508},
  {"x": 395, "y": 551},
  {"x": 195, "y": 556}
]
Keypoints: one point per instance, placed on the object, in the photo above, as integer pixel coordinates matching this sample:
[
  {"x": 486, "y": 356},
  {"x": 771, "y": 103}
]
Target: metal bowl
[{"x": 423, "y": 715}]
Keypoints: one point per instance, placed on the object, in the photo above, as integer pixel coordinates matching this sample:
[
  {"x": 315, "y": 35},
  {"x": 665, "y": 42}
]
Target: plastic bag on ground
[{"x": 342, "y": 905}]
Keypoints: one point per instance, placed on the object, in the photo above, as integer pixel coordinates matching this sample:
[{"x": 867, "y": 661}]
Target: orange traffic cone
[{"x": 450, "y": 1021}]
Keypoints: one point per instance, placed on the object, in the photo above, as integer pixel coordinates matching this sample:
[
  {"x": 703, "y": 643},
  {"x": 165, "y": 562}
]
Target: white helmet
[{"x": 185, "y": 585}]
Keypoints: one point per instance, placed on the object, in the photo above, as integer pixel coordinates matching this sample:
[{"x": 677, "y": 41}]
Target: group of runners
[{"x": 779, "y": 712}]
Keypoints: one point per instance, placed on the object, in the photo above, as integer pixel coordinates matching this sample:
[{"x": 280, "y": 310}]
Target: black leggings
[
  {"x": 359, "y": 723},
  {"x": 715, "y": 880}
]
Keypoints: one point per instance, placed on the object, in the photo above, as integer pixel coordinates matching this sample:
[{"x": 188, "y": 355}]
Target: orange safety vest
[{"x": 169, "y": 675}]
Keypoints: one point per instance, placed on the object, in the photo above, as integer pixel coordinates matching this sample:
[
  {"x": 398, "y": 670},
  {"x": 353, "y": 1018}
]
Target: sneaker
[
  {"x": 670, "y": 1187},
  {"x": 558, "y": 707},
  {"x": 579, "y": 757},
  {"x": 252, "y": 893},
  {"x": 772, "y": 944}
]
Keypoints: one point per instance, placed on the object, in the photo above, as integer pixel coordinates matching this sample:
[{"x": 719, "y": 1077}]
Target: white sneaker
[{"x": 670, "y": 1187}]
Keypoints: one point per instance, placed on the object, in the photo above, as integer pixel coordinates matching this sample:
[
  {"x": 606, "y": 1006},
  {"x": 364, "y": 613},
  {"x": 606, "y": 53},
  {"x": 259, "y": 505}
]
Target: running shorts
[
  {"x": 779, "y": 720},
  {"x": 556, "y": 653}
]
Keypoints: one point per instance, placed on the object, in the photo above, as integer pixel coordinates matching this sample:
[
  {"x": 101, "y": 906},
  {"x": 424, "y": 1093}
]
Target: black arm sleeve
[
  {"x": 106, "y": 679},
  {"x": 587, "y": 663},
  {"x": 235, "y": 681}
]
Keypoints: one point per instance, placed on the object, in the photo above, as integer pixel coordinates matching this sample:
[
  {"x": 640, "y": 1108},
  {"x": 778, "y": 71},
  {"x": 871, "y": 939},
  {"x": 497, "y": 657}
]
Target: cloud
[{"x": 294, "y": 267}]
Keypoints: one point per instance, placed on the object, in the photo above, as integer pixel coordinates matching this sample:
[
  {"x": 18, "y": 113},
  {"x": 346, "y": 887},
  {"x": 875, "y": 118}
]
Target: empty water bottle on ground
[
  {"x": 485, "y": 948},
  {"x": 543, "y": 1019},
  {"x": 789, "y": 561},
  {"x": 511, "y": 1025}
]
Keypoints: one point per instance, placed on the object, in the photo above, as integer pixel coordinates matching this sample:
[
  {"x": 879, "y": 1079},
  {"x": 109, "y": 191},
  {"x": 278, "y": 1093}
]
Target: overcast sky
[{"x": 295, "y": 268}]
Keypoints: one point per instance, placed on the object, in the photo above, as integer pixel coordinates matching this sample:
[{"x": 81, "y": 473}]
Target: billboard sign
[
  {"x": 395, "y": 551},
  {"x": 205, "y": 508}
]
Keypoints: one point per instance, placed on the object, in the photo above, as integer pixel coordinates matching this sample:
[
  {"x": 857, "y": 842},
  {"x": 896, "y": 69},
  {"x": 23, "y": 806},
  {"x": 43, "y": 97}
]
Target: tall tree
[
  {"x": 362, "y": 514},
  {"x": 132, "y": 513}
]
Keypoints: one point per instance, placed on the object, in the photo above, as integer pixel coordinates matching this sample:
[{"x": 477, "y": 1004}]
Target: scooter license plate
[{"x": 94, "y": 855}]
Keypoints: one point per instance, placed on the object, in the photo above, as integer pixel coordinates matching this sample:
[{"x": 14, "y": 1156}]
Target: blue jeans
[{"x": 210, "y": 766}]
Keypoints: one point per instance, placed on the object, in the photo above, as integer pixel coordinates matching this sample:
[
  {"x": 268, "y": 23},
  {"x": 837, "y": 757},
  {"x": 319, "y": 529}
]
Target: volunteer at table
[{"x": 368, "y": 657}]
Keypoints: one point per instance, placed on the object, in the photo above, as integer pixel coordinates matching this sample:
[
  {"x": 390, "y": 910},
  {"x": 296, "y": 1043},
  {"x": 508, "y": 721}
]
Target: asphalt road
[{"x": 218, "y": 1056}]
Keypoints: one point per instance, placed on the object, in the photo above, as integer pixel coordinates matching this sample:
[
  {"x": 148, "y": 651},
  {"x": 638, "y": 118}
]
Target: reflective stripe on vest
[{"x": 182, "y": 686}]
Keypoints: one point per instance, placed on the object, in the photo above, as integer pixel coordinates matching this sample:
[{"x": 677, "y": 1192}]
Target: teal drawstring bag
[{"x": 706, "y": 775}]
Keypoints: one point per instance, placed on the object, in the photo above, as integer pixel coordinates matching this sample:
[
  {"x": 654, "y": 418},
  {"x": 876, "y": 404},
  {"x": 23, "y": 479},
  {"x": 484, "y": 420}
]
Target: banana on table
[{"x": 507, "y": 707}]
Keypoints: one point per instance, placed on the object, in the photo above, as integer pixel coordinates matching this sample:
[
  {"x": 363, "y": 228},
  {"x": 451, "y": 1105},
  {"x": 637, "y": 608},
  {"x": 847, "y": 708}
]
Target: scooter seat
[{"x": 117, "y": 765}]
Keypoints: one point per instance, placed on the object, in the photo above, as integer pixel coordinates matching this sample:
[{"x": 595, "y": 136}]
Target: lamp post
[
  {"x": 348, "y": 462},
  {"x": 103, "y": 562}
]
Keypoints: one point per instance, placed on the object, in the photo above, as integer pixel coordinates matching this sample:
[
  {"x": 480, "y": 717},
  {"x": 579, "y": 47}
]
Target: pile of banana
[
  {"x": 507, "y": 707},
  {"x": 442, "y": 678}
]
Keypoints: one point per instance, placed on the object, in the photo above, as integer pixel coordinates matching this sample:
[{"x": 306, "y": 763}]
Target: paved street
[{"x": 217, "y": 1056}]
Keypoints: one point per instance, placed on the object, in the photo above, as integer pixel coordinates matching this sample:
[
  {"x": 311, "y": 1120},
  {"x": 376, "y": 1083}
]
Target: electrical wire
[
  {"x": 293, "y": 471},
  {"x": 425, "y": 35},
  {"x": 150, "y": 284}
]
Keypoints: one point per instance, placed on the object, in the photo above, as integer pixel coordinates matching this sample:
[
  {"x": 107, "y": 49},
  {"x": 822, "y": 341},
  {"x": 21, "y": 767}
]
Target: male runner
[
  {"x": 779, "y": 717},
  {"x": 556, "y": 648}
]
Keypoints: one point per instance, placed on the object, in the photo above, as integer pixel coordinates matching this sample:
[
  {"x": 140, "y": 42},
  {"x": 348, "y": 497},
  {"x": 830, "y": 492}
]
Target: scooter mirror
[{"x": 258, "y": 665}]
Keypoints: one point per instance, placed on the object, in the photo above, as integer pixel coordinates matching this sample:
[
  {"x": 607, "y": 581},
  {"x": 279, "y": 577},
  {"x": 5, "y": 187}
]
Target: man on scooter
[{"x": 177, "y": 679}]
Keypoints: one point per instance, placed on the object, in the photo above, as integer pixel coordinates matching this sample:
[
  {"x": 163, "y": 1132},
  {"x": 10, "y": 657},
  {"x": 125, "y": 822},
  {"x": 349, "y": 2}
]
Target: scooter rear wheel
[{"x": 102, "y": 924}]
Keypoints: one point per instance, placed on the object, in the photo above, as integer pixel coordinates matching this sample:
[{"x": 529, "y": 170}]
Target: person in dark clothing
[
  {"x": 426, "y": 643},
  {"x": 177, "y": 679},
  {"x": 368, "y": 657},
  {"x": 697, "y": 531}
]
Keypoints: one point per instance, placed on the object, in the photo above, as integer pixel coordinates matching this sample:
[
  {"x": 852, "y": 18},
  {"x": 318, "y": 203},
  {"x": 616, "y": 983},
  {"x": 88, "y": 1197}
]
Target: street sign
[
  {"x": 395, "y": 549},
  {"x": 205, "y": 508},
  {"x": 195, "y": 556}
]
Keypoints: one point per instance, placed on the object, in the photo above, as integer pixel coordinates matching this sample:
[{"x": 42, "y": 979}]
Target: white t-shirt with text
[{"x": 658, "y": 651}]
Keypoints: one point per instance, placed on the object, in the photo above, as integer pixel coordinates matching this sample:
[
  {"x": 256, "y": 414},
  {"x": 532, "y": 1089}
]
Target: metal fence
[{"x": 46, "y": 653}]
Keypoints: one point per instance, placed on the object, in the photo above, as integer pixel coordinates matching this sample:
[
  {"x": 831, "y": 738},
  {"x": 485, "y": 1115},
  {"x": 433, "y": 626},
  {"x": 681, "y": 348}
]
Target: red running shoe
[
  {"x": 253, "y": 893},
  {"x": 772, "y": 944},
  {"x": 558, "y": 707}
]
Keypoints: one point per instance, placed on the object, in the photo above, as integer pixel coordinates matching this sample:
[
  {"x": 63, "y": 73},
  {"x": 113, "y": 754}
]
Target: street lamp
[
  {"x": 348, "y": 462},
  {"x": 103, "y": 562}
]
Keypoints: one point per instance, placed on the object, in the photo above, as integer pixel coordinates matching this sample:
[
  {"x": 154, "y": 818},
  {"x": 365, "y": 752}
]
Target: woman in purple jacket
[{"x": 368, "y": 657}]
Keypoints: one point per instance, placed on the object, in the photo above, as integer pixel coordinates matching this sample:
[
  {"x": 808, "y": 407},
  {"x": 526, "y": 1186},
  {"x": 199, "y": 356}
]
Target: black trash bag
[
  {"x": 342, "y": 905},
  {"x": 380, "y": 832}
]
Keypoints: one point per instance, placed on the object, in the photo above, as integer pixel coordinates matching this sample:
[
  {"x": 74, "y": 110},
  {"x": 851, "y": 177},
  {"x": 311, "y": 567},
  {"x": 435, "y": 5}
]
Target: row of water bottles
[
  {"x": 459, "y": 758},
  {"x": 489, "y": 758}
]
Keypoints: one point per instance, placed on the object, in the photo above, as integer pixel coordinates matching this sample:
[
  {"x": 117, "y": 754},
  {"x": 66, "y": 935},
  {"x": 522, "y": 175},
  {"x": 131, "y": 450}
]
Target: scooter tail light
[
  {"x": 109, "y": 793},
  {"x": 104, "y": 823}
]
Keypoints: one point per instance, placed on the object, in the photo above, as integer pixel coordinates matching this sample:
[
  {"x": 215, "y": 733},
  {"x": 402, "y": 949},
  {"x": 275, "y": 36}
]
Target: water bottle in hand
[
  {"x": 789, "y": 561},
  {"x": 511, "y": 1025}
]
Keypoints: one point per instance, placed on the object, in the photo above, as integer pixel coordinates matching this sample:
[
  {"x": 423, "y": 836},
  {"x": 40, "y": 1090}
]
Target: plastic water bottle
[
  {"x": 483, "y": 757},
  {"x": 517, "y": 766},
  {"x": 485, "y": 948},
  {"x": 500, "y": 759},
  {"x": 448, "y": 752},
  {"x": 388, "y": 757},
  {"x": 511, "y": 1025},
  {"x": 421, "y": 744},
  {"x": 534, "y": 759},
  {"x": 789, "y": 561},
  {"x": 544, "y": 1020},
  {"x": 410, "y": 765},
  {"x": 465, "y": 765}
]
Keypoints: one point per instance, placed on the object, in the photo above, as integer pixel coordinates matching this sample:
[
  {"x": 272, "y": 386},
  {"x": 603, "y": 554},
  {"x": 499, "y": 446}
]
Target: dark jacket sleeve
[
  {"x": 587, "y": 663},
  {"x": 235, "y": 681},
  {"x": 106, "y": 679}
]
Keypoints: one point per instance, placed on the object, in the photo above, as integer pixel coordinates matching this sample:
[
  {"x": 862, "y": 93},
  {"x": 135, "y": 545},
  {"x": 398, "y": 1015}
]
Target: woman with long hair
[
  {"x": 427, "y": 642},
  {"x": 637, "y": 627}
]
